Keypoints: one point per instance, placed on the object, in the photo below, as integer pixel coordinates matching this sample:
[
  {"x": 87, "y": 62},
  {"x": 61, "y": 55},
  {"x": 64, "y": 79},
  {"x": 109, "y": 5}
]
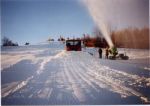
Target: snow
[
  {"x": 132, "y": 53},
  {"x": 47, "y": 74}
]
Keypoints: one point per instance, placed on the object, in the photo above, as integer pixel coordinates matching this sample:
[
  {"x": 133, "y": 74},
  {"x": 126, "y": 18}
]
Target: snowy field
[{"x": 47, "y": 74}]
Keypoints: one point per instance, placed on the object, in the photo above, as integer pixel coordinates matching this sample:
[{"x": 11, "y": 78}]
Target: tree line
[
  {"x": 125, "y": 38},
  {"x": 7, "y": 42},
  {"x": 131, "y": 38}
]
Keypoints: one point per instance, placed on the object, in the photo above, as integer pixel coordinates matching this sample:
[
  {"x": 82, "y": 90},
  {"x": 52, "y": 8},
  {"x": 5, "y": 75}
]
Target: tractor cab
[{"x": 73, "y": 45}]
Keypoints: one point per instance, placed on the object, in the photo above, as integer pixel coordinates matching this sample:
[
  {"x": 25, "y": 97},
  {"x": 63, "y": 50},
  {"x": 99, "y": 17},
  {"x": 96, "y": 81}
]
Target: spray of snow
[
  {"x": 97, "y": 11},
  {"x": 112, "y": 14}
]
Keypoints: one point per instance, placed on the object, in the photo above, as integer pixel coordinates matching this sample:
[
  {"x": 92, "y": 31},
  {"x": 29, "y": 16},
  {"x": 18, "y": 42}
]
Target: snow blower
[{"x": 115, "y": 55}]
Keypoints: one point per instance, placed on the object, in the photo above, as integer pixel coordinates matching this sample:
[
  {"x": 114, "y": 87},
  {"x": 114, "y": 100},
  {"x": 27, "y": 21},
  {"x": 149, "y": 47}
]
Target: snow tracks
[{"x": 78, "y": 78}]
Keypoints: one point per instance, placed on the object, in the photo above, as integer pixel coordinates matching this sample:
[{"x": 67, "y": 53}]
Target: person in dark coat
[
  {"x": 100, "y": 52},
  {"x": 107, "y": 52}
]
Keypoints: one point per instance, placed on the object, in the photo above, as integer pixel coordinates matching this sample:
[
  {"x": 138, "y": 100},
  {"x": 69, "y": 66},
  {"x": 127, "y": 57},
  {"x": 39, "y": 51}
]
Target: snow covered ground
[{"x": 47, "y": 74}]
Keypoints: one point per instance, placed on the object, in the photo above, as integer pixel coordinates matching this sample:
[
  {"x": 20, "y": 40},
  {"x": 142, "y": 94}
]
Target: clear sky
[{"x": 35, "y": 21}]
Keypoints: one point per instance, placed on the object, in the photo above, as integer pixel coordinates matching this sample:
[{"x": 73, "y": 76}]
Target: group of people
[{"x": 106, "y": 52}]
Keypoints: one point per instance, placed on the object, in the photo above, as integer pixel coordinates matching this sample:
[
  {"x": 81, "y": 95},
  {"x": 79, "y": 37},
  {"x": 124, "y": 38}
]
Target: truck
[{"x": 73, "y": 45}]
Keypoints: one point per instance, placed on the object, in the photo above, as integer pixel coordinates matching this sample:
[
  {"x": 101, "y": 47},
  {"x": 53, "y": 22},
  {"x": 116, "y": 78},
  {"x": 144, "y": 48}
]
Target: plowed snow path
[{"x": 78, "y": 78}]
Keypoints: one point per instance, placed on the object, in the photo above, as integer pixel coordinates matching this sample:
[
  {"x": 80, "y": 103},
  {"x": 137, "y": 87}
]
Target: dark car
[{"x": 73, "y": 45}]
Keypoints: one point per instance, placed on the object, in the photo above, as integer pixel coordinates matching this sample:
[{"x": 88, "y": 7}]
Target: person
[
  {"x": 100, "y": 52},
  {"x": 107, "y": 53}
]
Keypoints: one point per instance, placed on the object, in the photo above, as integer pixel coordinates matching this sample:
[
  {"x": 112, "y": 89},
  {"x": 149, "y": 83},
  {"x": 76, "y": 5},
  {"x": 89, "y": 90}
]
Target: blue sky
[{"x": 35, "y": 21}]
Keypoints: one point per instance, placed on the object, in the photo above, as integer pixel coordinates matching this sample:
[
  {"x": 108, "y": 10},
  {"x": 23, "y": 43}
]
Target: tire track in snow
[
  {"x": 61, "y": 85},
  {"x": 79, "y": 84},
  {"x": 113, "y": 84},
  {"x": 23, "y": 85},
  {"x": 90, "y": 88},
  {"x": 45, "y": 91},
  {"x": 80, "y": 73},
  {"x": 75, "y": 85},
  {"x": 17, "y": 87}
]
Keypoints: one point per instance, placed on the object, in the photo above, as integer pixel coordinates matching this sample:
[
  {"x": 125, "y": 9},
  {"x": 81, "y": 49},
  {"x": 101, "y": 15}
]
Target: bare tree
[{"x": 7, "y": 42}]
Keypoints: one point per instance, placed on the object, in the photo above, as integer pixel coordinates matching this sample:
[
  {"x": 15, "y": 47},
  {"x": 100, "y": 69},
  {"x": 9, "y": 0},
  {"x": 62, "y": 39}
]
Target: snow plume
[
  {"x": 97, "y": 11},
  {"x": 110, "y": 14}
]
